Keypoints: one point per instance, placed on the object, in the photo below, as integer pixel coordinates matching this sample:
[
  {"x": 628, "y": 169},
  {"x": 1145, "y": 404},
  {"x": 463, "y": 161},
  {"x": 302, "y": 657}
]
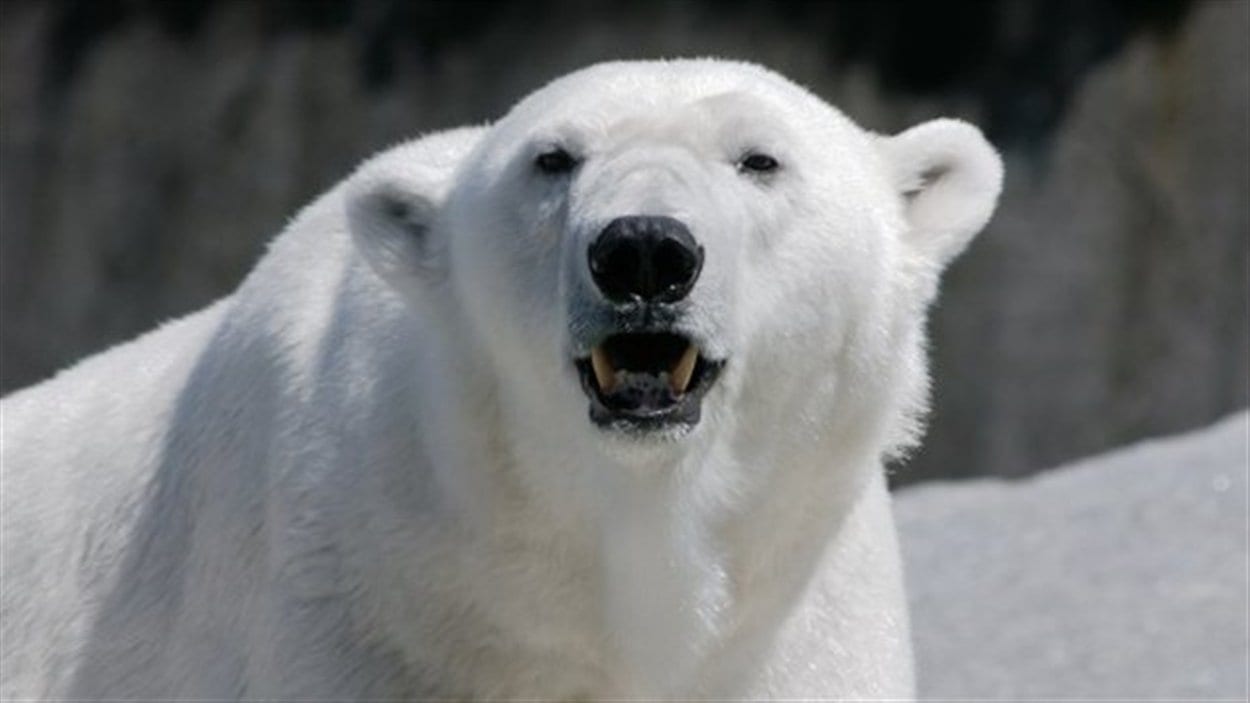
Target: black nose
[{"x": 645, "y": 258}]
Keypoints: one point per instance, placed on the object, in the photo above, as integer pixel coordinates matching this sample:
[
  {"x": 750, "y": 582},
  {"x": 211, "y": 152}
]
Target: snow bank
[{"x": 1123, "y": 576}]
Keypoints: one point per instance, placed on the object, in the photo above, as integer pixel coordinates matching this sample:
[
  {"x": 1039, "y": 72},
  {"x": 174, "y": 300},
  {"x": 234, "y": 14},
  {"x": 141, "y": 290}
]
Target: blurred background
[{"x": 149, "y": 149}]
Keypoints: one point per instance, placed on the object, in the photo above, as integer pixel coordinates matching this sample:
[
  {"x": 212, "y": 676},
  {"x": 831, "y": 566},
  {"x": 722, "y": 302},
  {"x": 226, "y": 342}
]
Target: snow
[{"x": 1121, "y": 576}]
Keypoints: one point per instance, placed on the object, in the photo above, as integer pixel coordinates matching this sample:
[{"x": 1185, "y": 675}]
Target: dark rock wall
[{"x": 148, "y": 150}]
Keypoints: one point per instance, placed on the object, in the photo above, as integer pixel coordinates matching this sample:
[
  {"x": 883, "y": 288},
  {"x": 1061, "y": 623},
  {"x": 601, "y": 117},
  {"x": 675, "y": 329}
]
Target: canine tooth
[
  {"x": 679, "y": 378},
  {"x": 604, "y": 373}
]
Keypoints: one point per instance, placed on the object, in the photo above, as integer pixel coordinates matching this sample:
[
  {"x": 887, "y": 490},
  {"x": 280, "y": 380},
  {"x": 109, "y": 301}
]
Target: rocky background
[{"x": 148, "y": 150}]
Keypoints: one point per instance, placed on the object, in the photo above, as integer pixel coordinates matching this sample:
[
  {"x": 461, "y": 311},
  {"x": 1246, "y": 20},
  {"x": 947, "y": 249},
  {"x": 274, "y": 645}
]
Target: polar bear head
[{"x": 644, "y": 252}]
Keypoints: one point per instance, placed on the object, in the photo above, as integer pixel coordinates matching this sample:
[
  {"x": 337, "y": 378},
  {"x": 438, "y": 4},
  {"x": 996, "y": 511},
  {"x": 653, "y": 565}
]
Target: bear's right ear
[
  {"x": 394, "y": 201},
  {"x": 390, "y": 220}
]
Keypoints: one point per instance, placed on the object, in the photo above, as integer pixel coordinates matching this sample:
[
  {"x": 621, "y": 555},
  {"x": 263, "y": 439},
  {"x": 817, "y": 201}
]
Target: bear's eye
[
  {"x": 756, "y": 162},
  {"x": 555, "y": 162}
]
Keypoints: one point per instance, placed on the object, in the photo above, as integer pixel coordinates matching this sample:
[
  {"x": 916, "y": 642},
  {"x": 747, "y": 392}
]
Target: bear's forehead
[
  {"x": 638, "y": 89},
  {"x": 713, "y": 104}
]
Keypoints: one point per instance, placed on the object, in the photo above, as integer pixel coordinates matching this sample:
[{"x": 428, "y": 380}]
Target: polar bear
[{"x": 589, "y": 403}]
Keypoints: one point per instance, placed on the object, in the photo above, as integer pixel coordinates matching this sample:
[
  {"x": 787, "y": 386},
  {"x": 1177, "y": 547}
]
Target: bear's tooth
[
  {"x": 604, "y": 373},
  {"x": 679, "y": 378}
]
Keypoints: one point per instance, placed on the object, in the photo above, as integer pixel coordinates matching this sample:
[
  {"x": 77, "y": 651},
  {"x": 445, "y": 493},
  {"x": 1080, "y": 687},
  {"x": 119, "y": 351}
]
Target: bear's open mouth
[{"x": 644, "y": 381}]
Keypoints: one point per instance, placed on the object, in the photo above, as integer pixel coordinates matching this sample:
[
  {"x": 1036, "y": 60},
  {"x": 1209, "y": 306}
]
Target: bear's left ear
[{"x": 949, "y": 178}]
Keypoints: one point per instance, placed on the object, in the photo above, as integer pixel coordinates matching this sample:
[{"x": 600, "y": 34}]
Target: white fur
[{"x": 369, "y": 472}]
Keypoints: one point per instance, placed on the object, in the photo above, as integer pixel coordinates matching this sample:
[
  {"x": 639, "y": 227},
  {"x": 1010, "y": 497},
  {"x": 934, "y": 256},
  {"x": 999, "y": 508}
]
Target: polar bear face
[{"x": 642, "y": 249}]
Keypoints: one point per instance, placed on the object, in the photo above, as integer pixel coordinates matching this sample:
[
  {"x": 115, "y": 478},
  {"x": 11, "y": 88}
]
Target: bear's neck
[
  {"x": 671, "y": 566},
  {"x": 648, "y": 578}
]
